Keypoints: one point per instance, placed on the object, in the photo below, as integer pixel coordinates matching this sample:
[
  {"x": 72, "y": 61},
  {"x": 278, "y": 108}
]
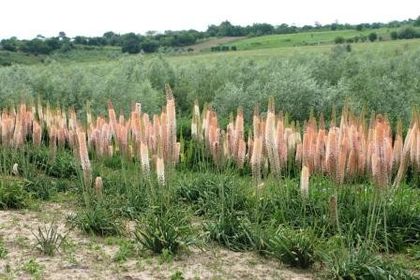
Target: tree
[
  {"x": 111, "y": 38},
  {"x": 373, "y": 37},
  {"x": 407, "y": 33},
  {"x": 130, "y": 43},
  {"x": 53, "y": 43},
  {"x": 10, "y": 44},
  {"x": 417, "y": 21},
  {"x": 36, "y": 46},
  {"x": 149, "y": 45},
  {"x": 80, "y": 40},
  {"x": 62, "y": 35}
]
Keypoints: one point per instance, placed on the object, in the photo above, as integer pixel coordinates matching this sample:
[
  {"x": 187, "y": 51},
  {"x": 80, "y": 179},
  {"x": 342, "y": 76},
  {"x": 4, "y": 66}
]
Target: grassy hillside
[
  {"x": 258, "y": 47},
  {"x": 386, "y": 47},
  {"x": 305, "y": 39}
]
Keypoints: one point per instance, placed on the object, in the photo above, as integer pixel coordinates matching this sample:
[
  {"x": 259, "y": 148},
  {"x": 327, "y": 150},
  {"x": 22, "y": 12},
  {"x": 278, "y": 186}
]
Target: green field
[
  {"x": 305, "y": 39},
  {"x": 384, "y": 47}
]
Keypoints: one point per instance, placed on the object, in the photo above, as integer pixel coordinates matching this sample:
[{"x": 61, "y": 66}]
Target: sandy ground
[{"x": 89, "y": 257}]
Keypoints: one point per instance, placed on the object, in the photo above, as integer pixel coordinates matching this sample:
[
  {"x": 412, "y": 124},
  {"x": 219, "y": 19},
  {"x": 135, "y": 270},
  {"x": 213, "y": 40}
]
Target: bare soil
[{"x": 90, "y": 257}]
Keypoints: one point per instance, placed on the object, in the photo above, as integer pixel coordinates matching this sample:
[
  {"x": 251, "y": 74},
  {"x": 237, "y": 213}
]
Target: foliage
[
  {"x": 362, "y": 264},
  {"x": 373, "y": 36},
  {"x": 293, "y": 247},
  {"x": 96, "y": 219},
  {"x": 3, "y": 250},
  {"x": 41, "y": 187},
  {"x": 164, "y": 229},
  {"x": 34, "y": 268},
  {"x": 133, "y": 43},
  {"x": 125, "y": 251},
  {"x": 370, "y": 79},
  {"x": 231, "y": 229},
  {"x": 13, "y": 194}
]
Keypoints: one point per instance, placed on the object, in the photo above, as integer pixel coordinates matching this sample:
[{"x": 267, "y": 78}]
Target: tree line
[{"x": 151, "y": 42}]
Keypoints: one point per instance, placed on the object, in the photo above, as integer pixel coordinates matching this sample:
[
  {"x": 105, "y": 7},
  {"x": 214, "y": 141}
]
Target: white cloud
[{"x": 28, "y": 18}]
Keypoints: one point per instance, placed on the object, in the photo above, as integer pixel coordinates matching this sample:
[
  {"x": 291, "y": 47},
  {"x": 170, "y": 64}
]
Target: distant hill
[{"x": 311, "y": 38}]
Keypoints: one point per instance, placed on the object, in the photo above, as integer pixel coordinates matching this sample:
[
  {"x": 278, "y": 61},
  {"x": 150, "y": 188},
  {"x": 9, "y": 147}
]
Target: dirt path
[{"x": 88, "y": 257}]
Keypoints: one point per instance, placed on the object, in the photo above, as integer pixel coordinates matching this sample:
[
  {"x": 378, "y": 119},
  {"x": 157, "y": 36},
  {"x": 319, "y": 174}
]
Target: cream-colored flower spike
[
  {"x": 304, "y": 182},
  {"x": 15, "y": 169}
]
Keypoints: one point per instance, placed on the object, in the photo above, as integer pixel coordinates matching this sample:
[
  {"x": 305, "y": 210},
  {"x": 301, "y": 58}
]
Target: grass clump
[
  {"x": 361, "y": 263},
  {"x": 62, "y": 165},
  {"x": 48, "y": 240},
  {"x": 231, "y": 229},
  {"x": 13, "y": 195},
  {"x": 41, "y": 187},
  {"x": 164, "y": 229},
  {"x": 96, "y": 219},
  {"x": 293, "y": 247},
  {"x": 125, "y": 251}
]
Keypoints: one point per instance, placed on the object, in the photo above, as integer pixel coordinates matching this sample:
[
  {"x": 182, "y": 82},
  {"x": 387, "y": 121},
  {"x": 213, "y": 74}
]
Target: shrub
[
  {"x": 394, "y": 35},
  {"x": 407, "y": 33},
  {"x": 339, "y": 40},
  {"x": 373, "y": 36}
]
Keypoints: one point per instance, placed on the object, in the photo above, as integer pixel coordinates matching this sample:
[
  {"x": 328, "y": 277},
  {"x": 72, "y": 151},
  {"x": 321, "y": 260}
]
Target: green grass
[
  {"x": 7, "y": 58},
  {"x": 305, "y": 39},
  {"x": 385, "y": 47},
  {"x": 80, "y": 54}
]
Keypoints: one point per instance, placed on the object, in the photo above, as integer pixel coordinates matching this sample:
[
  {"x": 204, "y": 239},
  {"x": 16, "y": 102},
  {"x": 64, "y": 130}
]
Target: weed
[
  {"x": 33, "y": 268},
  {"x": 166, "y": 256},
  {"x": 125, "y": 251},
  {"x": 3, "y": 250},
  {"x": 48, "y": 240},
  {"x": 177, "y": 276}
]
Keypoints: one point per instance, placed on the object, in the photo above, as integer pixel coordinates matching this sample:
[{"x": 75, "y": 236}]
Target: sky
[{"x": 28, "y": 18}]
